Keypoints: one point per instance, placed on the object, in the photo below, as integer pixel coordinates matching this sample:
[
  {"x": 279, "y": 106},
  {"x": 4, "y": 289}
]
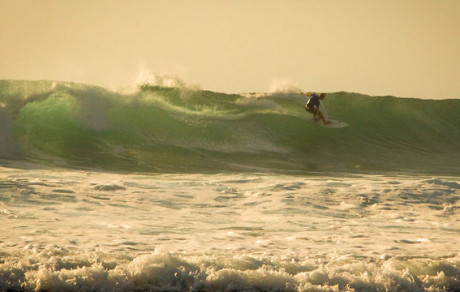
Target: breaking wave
[
  {"x": 55, "y": 269},
  {"x": 159, "y": 129}
]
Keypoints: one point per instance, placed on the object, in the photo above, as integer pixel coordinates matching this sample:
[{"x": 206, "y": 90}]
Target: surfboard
[{"x": 334, "y": 124}]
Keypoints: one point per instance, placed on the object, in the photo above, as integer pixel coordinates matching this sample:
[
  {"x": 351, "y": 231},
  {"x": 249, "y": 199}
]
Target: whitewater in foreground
[{"x": 171, "y": 190}]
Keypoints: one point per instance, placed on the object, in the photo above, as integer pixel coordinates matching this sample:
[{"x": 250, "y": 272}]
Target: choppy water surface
[
  {"x": 179, "y": 189},
  {"x": 81, "y": 230}
]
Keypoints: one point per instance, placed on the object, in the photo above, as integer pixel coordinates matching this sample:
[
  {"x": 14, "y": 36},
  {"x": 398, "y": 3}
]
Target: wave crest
[{"x": 177, "y": 129}]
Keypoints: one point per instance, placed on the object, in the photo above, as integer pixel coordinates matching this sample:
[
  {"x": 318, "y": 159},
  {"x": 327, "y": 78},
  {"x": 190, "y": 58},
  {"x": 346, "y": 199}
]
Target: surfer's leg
[
  {"x": 315, "y": 114},
  {"x": 312, "y": 111},
  {"x": 321, "y": 117}
]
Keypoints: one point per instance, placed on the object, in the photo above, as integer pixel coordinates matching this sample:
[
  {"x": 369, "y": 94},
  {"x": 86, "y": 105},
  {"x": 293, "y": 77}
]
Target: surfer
[{"x": 312, "y": 106}]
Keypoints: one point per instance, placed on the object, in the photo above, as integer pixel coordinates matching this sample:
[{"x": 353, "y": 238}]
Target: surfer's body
[{"x": 312, "y": 106}]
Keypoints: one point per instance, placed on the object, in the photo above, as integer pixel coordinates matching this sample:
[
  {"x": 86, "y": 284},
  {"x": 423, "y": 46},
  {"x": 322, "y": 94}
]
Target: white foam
[
  {"x": 225, "y": 232},
  {"x": 58, "y": 270}
]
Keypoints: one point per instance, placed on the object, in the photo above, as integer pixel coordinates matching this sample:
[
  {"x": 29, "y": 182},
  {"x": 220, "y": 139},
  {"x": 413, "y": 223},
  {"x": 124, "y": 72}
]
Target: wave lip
[{"x": 191, "y": 130}]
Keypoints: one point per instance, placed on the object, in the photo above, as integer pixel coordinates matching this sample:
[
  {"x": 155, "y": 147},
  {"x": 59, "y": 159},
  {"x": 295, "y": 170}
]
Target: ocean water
[{"x": 177, "y": 189}]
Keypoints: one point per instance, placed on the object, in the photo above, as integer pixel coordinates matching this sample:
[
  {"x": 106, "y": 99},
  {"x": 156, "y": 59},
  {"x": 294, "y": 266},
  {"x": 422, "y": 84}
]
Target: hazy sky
[{"x": 399, "y": 47}]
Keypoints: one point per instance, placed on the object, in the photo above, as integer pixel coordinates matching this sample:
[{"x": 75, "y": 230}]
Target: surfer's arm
[{"x": 306, "y": 93}]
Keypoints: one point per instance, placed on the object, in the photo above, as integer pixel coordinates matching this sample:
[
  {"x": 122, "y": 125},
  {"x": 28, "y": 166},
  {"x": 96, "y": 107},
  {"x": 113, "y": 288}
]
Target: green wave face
[{"x": 178, "y": 130}]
